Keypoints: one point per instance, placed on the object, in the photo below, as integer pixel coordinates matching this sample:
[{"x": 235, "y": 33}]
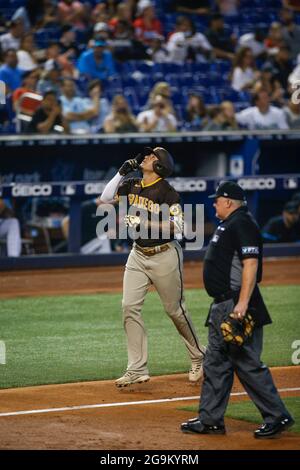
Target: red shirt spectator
[{"x": 147, "y": 25}]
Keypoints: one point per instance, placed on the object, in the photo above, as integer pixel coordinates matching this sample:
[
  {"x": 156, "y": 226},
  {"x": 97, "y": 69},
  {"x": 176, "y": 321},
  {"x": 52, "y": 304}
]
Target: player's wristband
[{"x": 110, "y": 189}]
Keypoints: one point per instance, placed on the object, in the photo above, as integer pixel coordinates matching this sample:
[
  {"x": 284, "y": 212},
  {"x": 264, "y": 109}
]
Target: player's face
[{"x": 147, "y": 163}]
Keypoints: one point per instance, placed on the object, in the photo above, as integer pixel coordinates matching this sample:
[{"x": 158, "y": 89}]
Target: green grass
[
  {"x": 246, "y": 411},
  {"x": 74, "y": 338}
]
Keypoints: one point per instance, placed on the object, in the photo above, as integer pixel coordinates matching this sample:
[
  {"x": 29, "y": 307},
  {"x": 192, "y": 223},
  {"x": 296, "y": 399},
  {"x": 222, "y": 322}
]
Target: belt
[
  {"x": 232, "y": 294},
  {"x": 152, "y": 251}
]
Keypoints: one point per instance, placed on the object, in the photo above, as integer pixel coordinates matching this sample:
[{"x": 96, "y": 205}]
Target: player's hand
[
  {"x": 240, "y": 310},
  {"x": 128, "y": 166}
]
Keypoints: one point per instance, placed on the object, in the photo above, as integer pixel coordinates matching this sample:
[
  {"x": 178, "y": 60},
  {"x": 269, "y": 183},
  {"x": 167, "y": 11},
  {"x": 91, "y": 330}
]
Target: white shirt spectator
[
  {"x": 96, "y": 124},
  {"x": 248, "y": 40},
  {"x": 253, "y": 118},
  {"x": 8, "y": 41},
  {"x": 162, "y": 122},
  {"x": 241, "y": 78},
  {"x": 179, "y": 43},
  {"x": 295, "y": 75},
  {"x": 76, "y": 105},
  {"x": 25, "y": 62}
]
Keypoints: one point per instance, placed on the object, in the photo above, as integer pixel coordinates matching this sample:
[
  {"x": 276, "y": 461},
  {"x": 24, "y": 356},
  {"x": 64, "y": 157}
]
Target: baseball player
[{"x": 152, "y": 261}]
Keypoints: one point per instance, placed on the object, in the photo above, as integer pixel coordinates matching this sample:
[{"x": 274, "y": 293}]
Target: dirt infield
[
  {"x": 109, "y": 279},
  {"x": 131, "y": 426},
  {"x": 122, "y": 423}
]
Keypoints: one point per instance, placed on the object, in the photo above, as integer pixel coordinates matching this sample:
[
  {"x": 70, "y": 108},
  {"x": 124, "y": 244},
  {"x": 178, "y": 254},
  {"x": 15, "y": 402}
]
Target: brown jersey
[{"x": 148, "y": 199}]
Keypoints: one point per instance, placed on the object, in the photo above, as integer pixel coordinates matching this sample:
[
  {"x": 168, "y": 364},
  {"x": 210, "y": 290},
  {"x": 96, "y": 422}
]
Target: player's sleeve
[{"x": 247, "y": 239}]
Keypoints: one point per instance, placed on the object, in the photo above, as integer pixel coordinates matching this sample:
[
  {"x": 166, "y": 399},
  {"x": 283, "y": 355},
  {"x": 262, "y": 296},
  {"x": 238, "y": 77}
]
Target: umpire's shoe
[
  {"x": 195, "y": 426},
  {"x": 130, "y": 378},
  {"x": 270, "y": 431}
]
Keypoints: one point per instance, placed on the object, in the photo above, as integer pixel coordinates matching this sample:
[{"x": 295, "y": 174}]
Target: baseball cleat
[
  {"x": 196, "y": 372},
  {"x": 271, "y": 431},
  {"x": 130, "y": 378}
]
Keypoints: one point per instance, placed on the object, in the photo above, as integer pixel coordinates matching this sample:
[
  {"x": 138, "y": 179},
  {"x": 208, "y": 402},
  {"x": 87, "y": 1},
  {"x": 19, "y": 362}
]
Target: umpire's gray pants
[{"x": 220, "y": 363}]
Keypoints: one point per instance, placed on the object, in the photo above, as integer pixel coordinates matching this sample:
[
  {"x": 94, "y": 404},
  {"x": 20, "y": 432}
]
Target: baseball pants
[
  {"x": 220, "y": 363},
  {"x": 164, "y": 271},
  {"x": 10, "y": 230}
]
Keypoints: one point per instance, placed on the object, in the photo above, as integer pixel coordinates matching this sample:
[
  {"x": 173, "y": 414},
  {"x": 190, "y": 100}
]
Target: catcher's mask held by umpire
[{"x": 164, "y": 167}]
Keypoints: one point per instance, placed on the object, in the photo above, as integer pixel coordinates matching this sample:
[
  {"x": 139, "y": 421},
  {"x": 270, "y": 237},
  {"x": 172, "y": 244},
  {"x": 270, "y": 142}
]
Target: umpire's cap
[
  {"x": 164, "y": 167},
  {"x": 231, "y": 190}
]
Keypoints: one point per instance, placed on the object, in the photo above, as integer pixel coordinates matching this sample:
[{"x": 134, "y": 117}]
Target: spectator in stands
[
  {"x": 101, "y": 31},
  {"x": 37, "y": 14},
  {"x": 67, "y": 41},
  {"x": 29, "y": 84},
  {"x": 51, "y": 78},
  {"x": 65, "y": 61},
  {"x": 188, "y": 44},
  {"x": 10, "y": 230},
  {"x": 228, "y": 7},
  {"x": 99, "y": 13},
  {"x": 262, "y": 115},
  {"x": 161, "y": 89},
  {"x": 72, "y": 12},
  {"x": 256, "y": 42},
  {"x": 223, "y": 119},
  {"x": 292, "y": 112},
  {"x": 275, "y": 37},
  {"x": 12, "y": 39},
  {"x": 221, "y": 40},
  {"x": 157, "y": 119},
  {"x": 26, "y": 54},
  {"x": 146, "y": 24},
  {"x": 293, "y": 5},
  {"x": 157, "y": 50},
  {"x": 76, "y": 110},
  {"x": 268, "y": 81},
  {"x": 291, "y": 32},
  {"x": 48, "y": 118},
  {"x": 10, "y": 74},
  {"x": 97, "y": 62},
  {"x": 124, "y": 45},
  {"x": 104, "y": 108},
  {"x": 195, "y": 113},
  {"x": 124, "y": 13},
  {"x": 295, "y": 75},
  {"x": 282, "y": 64},
  {"x": 197, "y": 7},
  {"x": 244, "y": 70},
  {"x": 121, "y": 119},
  {"x": 283, "y": 228}
]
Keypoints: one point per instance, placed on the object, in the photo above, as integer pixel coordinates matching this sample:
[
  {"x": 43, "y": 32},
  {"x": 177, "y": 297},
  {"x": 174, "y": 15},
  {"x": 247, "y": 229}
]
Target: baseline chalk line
[{"x": 128, "y": 403}]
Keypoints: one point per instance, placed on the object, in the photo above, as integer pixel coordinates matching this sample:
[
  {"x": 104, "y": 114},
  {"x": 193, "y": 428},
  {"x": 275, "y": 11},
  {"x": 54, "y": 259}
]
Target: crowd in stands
[{"x": 149, "y": 66}]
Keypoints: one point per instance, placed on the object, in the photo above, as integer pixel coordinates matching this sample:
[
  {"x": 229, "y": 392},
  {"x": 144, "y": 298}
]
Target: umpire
[{"x": 232, "y": 270}]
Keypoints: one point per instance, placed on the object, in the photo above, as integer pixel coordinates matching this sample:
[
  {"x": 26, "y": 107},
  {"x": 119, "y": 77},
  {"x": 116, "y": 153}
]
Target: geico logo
[
  {"x": 190, "y": 186},
  {"x": 32, "y": 190},
  {"x": 259, "y": 183},
  {"x": 94, "y": 188}
]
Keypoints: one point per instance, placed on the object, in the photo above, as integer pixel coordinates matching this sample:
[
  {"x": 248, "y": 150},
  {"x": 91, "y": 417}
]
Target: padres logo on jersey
[{"x": 143, "y": 203}]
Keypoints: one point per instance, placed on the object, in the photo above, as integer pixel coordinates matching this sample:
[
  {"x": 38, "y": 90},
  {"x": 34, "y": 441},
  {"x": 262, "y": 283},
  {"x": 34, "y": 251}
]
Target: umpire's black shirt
[{"x": 236, "y": 238}]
